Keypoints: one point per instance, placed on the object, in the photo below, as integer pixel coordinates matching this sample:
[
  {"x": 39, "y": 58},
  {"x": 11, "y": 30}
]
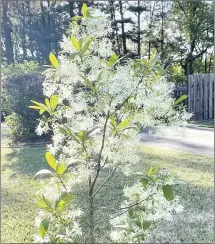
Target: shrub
[
  {"x": 22, "y": 84},
  {"x": 95, "y": 107}
]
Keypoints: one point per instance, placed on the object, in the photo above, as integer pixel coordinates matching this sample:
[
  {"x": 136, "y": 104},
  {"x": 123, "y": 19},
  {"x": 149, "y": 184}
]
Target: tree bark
[
  {"x": 7, "y": 33},
  {"x": 23, "y": 33},
  {"x": 123, "y": 29},
  {"x": 138, "y": 33}
]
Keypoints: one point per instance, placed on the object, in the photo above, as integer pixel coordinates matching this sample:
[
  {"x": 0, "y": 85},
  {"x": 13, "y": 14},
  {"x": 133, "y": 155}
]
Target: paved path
[{"x": 191, "y": 139}]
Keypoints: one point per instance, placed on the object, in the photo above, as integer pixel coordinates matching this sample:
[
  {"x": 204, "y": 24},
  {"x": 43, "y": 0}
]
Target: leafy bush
[
  {"x": 20, "y": 84},
  {"x": 176, "y": 74},
  {"x": 95, "y": 107},
  {"x": 18, "y": 126}
]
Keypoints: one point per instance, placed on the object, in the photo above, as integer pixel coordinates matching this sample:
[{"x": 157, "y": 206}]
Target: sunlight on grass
[
  {"x": 195, "y": 225},
  {"x": 18, "y": 193}
]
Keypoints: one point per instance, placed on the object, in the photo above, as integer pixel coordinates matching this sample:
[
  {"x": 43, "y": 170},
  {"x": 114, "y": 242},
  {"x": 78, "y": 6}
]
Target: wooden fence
[
  {"x": 200, "y": 100},
  {"x": 201, "y": 96}
]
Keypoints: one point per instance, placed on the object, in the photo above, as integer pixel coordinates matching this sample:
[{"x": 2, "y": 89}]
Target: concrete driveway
[{"x": 190, "y": 139}]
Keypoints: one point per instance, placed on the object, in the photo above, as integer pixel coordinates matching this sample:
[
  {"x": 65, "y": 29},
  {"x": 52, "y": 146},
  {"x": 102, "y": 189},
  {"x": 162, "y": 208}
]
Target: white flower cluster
[
  {"x": 89, "y": 88},
  {"x": 52, "y": 191},
  {"x": 150, "y": 207}
]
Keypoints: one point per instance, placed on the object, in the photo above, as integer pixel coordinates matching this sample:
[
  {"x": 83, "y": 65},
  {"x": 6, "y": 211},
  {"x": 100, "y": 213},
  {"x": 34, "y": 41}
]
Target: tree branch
[
  {"x": 127, "y": 209},
  {"x": 103, "y": 183},
  {"x": 100, "y": 154}
]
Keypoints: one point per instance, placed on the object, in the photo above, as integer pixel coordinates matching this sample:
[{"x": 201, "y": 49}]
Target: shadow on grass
[
  {"x": 25, "y": 161},
  {"x": 194, "y": 225},
  {"x": 177, "y": 159}
]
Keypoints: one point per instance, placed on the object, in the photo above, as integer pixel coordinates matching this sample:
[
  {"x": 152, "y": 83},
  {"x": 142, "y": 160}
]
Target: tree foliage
[
  {"x": 97, "y": 102},
  {"x": 181, "y": 31}
]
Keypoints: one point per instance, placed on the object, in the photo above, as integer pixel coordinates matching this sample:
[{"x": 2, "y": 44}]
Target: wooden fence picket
[{"x": 200, "y": 95}]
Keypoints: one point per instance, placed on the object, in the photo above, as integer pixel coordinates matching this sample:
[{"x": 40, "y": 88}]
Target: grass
[
  {"x": 207, "y": 125},
  {"x": 18, "y": 206},
  {"x": 195, "y": 225}
]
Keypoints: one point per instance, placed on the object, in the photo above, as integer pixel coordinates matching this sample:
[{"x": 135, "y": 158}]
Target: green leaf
[
  {"x": 87, "y": 82},
  {"x": 113, "y": 120},
  {"x": 43, "y": 172},
  {"x": 180, "y": 99},
  {"x": 66, "y": 130},
  {"x": 146, "y": 224},
  {"x": 124, "y": 123},
  {"x": 51, "y": 160},
  {"x": 112, "y": 60},
  {"x": 42, "y": 111},
  {"x": 75, "y": 43},
  {"x": 77, "y": 17},
  {"x": 99, "y": 76},
  {"x": 82, "y": 135},
  {"x": 144, "y": 181},
  {"x": 84, "y": 10},
  {"x": 87, "y": 44},
  {"x": 44, "y": 225},
  {"x": 150, "y": 171},
  {"x": 140, "y": 235},
  {"x": 47, "y": 103},
  {"x": 168, "y": 192},
  {"x": 53, "y": 60},
  {"x": 60, "y": 169},
  {"x": 35, "y": 107},
  {"x": 73, "y": 55},
  {"x": 155, "y": 170},
  {"x": 42, "y": 106},
  {"x": 43, "y": 202},
  {"x": 138, "y": 222},
  {"x": 54, "y": 101},
  {"x": 63, "y": 201},
  {"x": 131, "y": 213},
  {"x": 178, "y": 182},
  {"x": 39, "y": 104}
]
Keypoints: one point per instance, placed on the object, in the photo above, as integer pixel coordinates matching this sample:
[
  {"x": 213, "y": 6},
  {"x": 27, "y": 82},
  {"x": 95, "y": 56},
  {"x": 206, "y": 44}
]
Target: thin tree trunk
[
  {"x": 123, "y": 29},
  {"x": 7, "y": 33},
  {"x": 23, "y": 32},
  {"x": 71, "y": 9},
  {"x": 138, "y": 33},
  {"x": 162, "y": 32},
  {"x": 210, "y": 63},
  {"x": 117, "y": 36}
]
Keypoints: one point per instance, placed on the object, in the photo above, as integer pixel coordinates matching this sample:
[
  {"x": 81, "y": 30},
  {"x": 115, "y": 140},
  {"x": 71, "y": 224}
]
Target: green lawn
[
  {"x": 206, "y": 123},
  {"x": 195, "y": 225},
  {"x": 18, "y": 193},
  {"x": 210, "y": 125}
]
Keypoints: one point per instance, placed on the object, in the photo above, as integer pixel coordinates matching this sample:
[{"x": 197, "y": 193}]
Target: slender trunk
[
  {"x": 91, "y": 209},
  {"x": 206, "y": 57},
  {"x": 210, "y": 63},
  {"x": 138, "y": 33},
  {"x": 123, "y": 29},
  {"x": 150, "y": 20},
  {"x": 45, "y": 48},
  {"x": 117, "y": 36},
  {"x": 23, "y": 32},
  {"x": 71, "y": 9},
  {"x": 206, "y": 63},
  {"x": 149, "y": 49},
  {"x": 7, "y": 33},
  {"x": 162, "y": 32},
  {"x": 92, "y": 184}
]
